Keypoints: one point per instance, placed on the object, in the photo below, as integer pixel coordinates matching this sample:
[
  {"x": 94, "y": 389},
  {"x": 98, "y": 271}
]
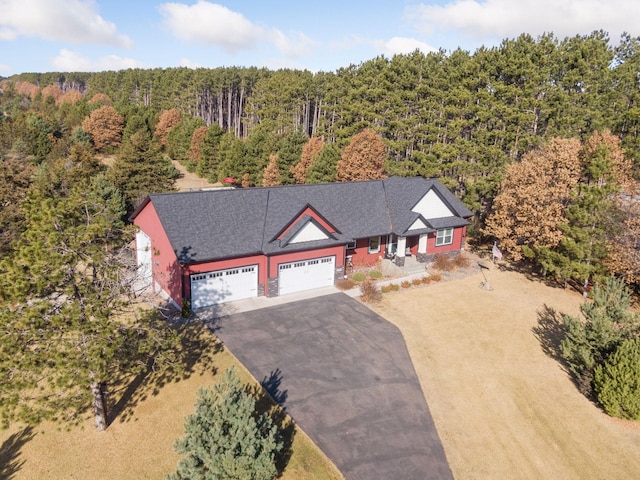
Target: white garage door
[
  {"x": 222, "y": 286},
  {"x": 306, "y": 274}
]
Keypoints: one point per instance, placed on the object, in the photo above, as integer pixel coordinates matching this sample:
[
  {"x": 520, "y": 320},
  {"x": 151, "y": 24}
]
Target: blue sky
[{"x": 95, "y": 35}]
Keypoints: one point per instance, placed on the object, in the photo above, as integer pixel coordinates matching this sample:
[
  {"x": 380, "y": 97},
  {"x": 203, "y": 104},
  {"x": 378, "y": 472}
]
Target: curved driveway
[{"x": 344, "y": 375}]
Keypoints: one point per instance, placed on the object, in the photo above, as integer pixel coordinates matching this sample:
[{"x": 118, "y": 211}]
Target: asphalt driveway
[{"x": 344, "y": 375}]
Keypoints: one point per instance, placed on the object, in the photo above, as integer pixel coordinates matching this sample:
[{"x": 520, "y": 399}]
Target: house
[{"x": 215, "y": 246}]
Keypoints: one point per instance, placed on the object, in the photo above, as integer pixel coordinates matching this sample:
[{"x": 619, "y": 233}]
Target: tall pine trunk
[{"x": 98, "y": 391}]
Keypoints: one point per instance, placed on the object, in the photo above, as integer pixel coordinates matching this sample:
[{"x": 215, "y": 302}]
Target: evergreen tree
[
  {"x": 617, "y": 381},
  {"x": 323, "y": 168},
  {"x": 141, "y": 169},
  {"x": 608, "y": 321},
  {"x": 226, "y": 438},
  {"x": 62, "y": 298}
]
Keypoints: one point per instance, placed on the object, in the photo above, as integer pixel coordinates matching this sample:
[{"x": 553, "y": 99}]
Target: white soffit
[{"x": 431, "y": 206}]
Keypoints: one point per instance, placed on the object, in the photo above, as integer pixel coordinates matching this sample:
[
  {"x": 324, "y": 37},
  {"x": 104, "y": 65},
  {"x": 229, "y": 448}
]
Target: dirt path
[
  {"x": 190, "y": 181},
  {"x": 503, "y": 408}
]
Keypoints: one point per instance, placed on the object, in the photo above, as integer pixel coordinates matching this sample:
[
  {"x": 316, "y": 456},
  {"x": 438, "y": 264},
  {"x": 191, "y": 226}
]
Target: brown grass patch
[
  {"x": 345, "y": 284},
  {"x": 492, "y": 386}
]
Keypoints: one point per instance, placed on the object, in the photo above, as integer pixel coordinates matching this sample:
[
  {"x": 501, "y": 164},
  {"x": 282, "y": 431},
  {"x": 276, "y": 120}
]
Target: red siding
[
  {"x": 276, "y": 260},
  {"x": 361, "y": 256},
  {"x": 459, "y": 235},
  {"x": 164, "y": 263},
  {"x": 259, "y": 260}
]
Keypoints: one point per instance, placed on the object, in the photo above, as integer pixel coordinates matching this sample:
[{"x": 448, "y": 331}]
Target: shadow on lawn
[
  {"x": 270, "y": 399},
  {"x": 550, "y": 332},
  {"x": 10, "y": 462},
  {"x": 193, "y": 353}
]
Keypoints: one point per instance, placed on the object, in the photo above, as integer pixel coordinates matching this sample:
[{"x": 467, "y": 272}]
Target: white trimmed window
[
  {"x": 374, "y": 244},
  {"x": 351, "y": 245},
  {"x": 444, "y": 237}
]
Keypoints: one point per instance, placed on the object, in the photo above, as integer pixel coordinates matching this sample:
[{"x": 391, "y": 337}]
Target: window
[
  {"x": 351, "y": 245},
  {"x": 444, "y": 237},
  {"x": 374, "y": 244}
]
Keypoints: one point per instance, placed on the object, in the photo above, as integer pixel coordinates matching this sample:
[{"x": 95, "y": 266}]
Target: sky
[{"x": 325, "y": 35}]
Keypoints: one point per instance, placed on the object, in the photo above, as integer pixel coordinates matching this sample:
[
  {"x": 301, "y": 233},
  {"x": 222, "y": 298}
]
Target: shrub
[
  {"x": 386, "y": 288},
  {"x": 375, "y": 274},
  {"x": 358, "y": 277},
  {"x": 443, "y": 263},
  {"x": 369, "y": 291},
  {"x": 416, "y": 281},
  {"x": 435, "y": 277},
  {"x": 425, "y": 279},
  {"x": 345, "y": 284},
  {"x": 617, "y": 381},
  {"x": 405, "y": 284},
  {"x": 461, "y": 261}
]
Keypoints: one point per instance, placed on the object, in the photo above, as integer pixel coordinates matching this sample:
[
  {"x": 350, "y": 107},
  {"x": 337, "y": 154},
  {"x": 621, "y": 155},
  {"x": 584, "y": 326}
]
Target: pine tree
[
  {"x": 140, "y": 169},
  {"x": 225, "y": 438},
  {"x": 608, "y": 321},
  {"x": 63, "y": 294},
  {"x": 362, "y": 159},
  {"x": 617, "y": 381}
]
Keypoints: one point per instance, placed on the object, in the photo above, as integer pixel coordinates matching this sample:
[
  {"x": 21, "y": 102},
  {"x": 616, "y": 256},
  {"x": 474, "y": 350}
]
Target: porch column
[
  {"x": 422, "y": 248},
  {"x": 402, "y": 245}
]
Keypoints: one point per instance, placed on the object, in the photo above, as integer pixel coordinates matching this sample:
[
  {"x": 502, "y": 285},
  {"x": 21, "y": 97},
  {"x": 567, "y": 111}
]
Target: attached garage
[
  {"x": 220, "y": 286},
  {"x": 306, "y": 275}
]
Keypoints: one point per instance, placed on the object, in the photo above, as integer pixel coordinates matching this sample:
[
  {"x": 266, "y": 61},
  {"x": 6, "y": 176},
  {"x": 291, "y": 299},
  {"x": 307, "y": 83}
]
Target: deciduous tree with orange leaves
[
  {"x": 363, "y": 158},
  {"x": 530, "y": 207},
  {"x": 104, "y": 125},
  {"x": 310, "y": 152},
  {"x": 271, "y": 176},
  {"x": 168, "y": 119}
]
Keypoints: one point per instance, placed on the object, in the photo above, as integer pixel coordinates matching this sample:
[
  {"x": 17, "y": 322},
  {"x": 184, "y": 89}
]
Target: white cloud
[
  {"x": 185, "y": 62},
  {"x": 213, "y": 24},
  {"x": 4, "y": 68},
  {"x": 400, "y": 45},
  {"x": 73, "y": 21},
  {"x": 68, "y": 61},
  {"x": 479, "y": 19}
]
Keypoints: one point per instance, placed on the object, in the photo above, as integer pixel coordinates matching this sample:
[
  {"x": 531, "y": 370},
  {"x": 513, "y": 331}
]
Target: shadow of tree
[
  {"x": 272, "y": 385},
  {"x": 271, "y": 400},
  {"x": 550, "y": 331},
  {"x": 10, "y": 462},
  {"x": 193, "y": 354}
]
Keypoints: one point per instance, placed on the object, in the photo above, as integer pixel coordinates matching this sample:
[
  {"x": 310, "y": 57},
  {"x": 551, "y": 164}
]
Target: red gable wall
[{"x": 164, "y": 263}]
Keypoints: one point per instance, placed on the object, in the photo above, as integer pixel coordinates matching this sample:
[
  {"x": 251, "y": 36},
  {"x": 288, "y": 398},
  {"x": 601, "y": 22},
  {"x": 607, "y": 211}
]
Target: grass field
[{"x": 503, "y": 406}]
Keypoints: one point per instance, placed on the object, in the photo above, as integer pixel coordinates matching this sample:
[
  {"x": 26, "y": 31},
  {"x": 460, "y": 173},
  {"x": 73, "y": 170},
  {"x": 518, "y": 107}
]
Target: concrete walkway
[{"x": 344, "y": 375}]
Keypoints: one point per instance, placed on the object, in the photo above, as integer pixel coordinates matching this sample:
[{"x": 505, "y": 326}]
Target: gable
[
  {"x": 432, "y": 206},
  {"x": 309, "y": 233},
  {"x": 307, "y": 212},
  {"x": 417, "y": 225}
]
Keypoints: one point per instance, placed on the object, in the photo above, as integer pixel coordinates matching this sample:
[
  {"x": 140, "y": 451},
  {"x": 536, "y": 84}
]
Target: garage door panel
[
  {"x": 306, "y": 275},
  {"x": 212, "y": 288}
]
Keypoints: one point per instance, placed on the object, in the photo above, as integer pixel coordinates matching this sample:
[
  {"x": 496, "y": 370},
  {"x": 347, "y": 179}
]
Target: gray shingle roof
[{"x": 216, "y": 224}]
